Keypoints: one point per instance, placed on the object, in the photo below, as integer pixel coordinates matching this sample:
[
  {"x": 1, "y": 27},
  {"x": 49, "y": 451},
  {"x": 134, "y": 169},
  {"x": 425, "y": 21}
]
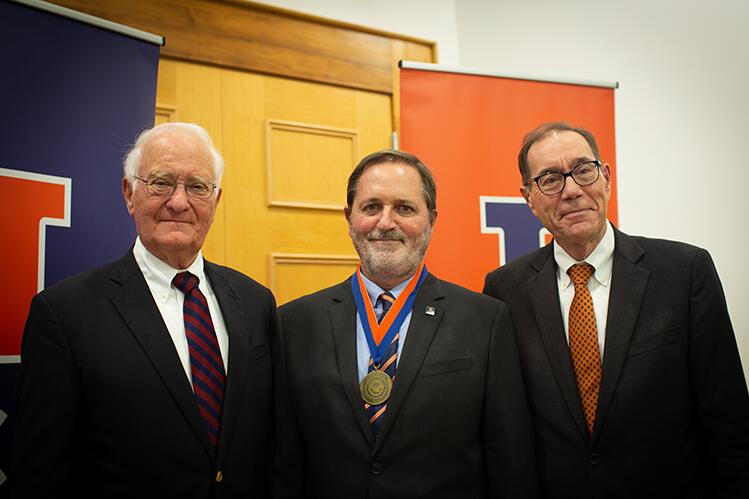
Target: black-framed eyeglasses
[
  {"x": 165, "y": 186},
  {"x": 551, "y": 183}
]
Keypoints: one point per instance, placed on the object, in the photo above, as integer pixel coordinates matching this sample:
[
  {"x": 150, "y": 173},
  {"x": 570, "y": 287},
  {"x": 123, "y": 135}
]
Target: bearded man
[{"x": 395, "y": 383}]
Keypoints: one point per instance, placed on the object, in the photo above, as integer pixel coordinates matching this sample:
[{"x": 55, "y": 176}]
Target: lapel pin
[{"x": 429, "y": 310}]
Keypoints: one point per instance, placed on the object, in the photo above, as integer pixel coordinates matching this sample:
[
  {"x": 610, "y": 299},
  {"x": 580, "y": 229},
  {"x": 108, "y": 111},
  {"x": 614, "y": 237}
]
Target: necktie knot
[
  {"x": 185, "y": 282},
  {"x": 387, "y": 300},
  {"x": 580, "y": 274}
]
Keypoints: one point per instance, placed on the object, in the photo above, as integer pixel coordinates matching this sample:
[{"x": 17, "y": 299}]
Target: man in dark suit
[
  {"x": 428, "y": 402},
  {"x": 627, "y": 350},
  {"x": 150, "y": 376}
]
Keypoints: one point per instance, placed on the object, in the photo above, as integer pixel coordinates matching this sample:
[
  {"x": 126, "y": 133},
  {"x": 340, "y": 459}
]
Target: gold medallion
[{"x": 375, "y": 388}]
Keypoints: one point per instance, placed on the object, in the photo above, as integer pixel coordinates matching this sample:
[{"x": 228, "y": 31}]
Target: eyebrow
[
  {"x": 557, "y": 169},
  {"x": 164, "y": 174},
  {"x": 369, "y": 200},
  {"x": 379, "y": 200}
]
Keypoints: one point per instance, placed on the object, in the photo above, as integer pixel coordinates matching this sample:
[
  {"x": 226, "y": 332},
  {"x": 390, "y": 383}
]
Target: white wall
[{"x": 681, "y": 110}]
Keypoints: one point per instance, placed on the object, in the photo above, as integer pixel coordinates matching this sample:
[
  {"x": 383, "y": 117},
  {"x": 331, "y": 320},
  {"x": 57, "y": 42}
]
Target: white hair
[{"x": 131, "y": 164}]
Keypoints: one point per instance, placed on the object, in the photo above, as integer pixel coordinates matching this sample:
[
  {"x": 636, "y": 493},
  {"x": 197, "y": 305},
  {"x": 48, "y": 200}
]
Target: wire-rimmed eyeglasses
[{"x": 165, "y": 186}]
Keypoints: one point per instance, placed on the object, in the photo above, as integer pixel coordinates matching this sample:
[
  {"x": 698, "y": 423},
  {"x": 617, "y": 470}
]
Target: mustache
[{"x": 393, "y": 234}]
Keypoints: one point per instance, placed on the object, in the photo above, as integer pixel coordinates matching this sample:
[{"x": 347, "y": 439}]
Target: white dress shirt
[
  {"x": 362, "y": 347},
  {"x": 159, "y": 275},
  {"x": 602, "y": 259}
]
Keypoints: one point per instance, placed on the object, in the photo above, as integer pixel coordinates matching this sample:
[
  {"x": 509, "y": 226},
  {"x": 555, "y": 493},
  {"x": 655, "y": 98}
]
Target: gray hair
[{"x": 131, "y": 164}]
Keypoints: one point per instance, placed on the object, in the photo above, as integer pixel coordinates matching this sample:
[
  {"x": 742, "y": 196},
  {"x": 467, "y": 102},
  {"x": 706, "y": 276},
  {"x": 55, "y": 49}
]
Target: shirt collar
[
  {"x": 374, "y": 291},
  {"x": 159, "y": 274},
  {"x": 601, "y": 258}
]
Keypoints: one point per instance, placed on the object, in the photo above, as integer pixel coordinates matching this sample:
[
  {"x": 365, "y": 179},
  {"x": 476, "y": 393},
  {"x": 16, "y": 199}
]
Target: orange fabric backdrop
[
  {"x": 468, "y": 130},
  {"x": 26, "y": 203}
]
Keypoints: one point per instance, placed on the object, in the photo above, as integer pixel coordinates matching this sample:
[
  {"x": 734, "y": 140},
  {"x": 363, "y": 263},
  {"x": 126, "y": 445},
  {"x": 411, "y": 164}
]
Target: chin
[
  {"x": 385, "y": 262},
  {"x": 587, "y": 232},
  {"x": 390, "y": 271},
  {"x": 382, "y": 261},
  {"x": 176, "y": 242}
]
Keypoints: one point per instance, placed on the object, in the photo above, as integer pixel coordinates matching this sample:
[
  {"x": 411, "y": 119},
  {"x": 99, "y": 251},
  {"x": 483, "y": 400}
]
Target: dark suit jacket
[
  {"x": 457, "y": 422},
  {"x": 673, "y": 412},
  {"x": 105, "y": 408}
]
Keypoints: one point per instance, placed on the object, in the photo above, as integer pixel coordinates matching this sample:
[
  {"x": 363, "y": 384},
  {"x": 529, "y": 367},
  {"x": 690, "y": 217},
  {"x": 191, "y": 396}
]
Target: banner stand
[{"x": 467, "y": 126}]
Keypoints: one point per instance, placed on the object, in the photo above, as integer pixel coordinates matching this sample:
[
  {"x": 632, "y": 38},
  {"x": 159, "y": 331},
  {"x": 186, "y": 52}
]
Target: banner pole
[{"x": 426, "y": 66}]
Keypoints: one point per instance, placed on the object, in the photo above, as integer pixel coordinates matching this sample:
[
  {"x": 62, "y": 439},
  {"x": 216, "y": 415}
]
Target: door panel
[{"x": 288, "y": 147}]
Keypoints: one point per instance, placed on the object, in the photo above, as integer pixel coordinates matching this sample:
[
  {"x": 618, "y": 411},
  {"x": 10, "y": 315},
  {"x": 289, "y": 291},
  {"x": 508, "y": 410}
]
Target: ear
[
  {"x": 218, "y": 196},
  {"x": 127, "y": 193},
  {"x": 434, "y": 216},
  {"x": 606, "y": 169},
  {"x": 525, "y": 191},
  {"x": 347, "y": 213}
]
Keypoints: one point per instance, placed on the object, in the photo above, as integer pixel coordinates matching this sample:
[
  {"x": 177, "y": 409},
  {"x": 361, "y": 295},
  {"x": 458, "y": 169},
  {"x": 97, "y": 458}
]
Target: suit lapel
[
  {"x": 139, "y": 311},
  {"x": 343, "y": 325},
  {"x": 236, "y": 377},
  {"x": 628, "y": 285},
  {"x": 544, "y": 297},
  {"x": 421, "y": 331}
]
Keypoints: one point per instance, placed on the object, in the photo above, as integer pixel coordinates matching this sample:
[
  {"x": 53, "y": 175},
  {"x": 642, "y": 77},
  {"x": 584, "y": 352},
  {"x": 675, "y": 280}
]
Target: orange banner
[{"x": 468, "y": 129}]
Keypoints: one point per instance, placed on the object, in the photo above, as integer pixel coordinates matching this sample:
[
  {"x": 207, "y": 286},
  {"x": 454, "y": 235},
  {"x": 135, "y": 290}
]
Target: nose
[
  {"x": 571, "y": 190},
  {"x": 387, "y": 219},
  {"x": 178, "y": 200}
]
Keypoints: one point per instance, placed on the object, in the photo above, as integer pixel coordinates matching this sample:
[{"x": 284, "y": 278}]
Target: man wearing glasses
[
  {"x": 150, "y": 376},
  {"x": 627, "y": 349}
]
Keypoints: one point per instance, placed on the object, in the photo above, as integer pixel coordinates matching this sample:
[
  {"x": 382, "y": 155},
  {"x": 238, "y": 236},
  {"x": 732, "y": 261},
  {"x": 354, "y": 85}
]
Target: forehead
[
  {"x": 179, "y": 153},
  {"x": 558, "y": 148},
  {"x": 390, "y": 181}
]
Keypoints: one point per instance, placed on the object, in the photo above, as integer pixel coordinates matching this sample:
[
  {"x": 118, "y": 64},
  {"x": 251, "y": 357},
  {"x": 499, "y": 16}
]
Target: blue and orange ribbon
[{"x": 380, "y": 335}]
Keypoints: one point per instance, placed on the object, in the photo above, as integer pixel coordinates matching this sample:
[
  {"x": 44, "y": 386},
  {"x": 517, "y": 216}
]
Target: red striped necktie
[
  {"x": 375, "y": 412},
  {"x": 206, "y": 364}
]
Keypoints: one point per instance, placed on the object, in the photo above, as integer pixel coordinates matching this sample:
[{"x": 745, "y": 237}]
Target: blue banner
[{"x": 73, "y": 97}]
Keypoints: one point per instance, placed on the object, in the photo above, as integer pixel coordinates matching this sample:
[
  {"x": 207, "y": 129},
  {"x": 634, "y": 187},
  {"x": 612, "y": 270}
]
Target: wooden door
[
  {"x": 289, "y": 146},
  {"x": 292, "y": 101}
]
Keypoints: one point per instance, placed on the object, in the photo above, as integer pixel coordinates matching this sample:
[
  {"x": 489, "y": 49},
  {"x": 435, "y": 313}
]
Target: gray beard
[{"x": 393, "y": 266}]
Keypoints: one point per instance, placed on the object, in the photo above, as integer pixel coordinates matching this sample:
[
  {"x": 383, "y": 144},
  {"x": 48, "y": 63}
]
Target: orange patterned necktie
[{"x": 584, "y": 342}]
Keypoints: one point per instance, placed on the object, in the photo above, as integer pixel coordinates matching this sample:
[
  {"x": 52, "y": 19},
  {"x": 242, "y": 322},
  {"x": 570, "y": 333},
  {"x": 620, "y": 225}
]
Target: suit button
[
  {"x": 594, "y": 458},
  {"x": 219, "y": 476},
  {"x": 376, "y": 468}
]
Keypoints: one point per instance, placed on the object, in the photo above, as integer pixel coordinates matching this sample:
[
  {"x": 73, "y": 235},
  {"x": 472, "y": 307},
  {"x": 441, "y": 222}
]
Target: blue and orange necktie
[
  {"x": 375, "y": 412},
  {"x": 586, "y": 358},
  {"x": 206, "y": 363}
]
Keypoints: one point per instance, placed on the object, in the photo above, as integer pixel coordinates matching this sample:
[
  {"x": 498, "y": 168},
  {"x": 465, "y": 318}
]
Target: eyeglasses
[
  {"x": 551, "y": 183},
  {"x": 165, "y": 186}
]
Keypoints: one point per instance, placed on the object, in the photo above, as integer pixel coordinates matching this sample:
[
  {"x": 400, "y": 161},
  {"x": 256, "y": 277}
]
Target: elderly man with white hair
[{"x": 151, "y": 375}]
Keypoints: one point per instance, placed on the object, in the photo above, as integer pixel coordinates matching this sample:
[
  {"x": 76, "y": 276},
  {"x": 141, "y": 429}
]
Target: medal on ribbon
[{"x": 376, "y": 386}]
